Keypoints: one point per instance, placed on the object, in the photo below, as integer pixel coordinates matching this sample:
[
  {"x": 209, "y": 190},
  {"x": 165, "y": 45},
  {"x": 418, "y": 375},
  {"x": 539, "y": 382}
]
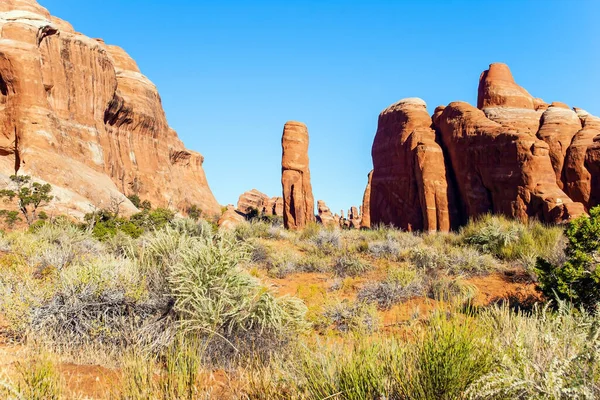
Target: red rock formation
[
  {"x": 512, "y": 156},
  {"x": 298, "y": 201},
  {"x": 254, "y": 200},
  {"x": 365, "y": 222},
  {"x": 558, "y": 126},
  {"x": 230, "y": 219},
  {"x": 354, "y": 218},
  {"x": 78, "y": 114},
  {"x": 275, "y": 206},
  {"x": 582, "y": 163},
  {"x": 501, "y": 169},
  {"x": 409, "y": 186},
  {"x": 325, "y": 215}
]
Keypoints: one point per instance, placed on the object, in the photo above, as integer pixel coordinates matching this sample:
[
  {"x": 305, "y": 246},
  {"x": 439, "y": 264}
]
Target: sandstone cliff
[
  {"x": 78, "y": 114},
  {"x": 513, "y": 155}
]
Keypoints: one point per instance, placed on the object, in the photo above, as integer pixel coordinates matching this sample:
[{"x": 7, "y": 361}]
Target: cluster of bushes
[{"x": 182, "y": 298}]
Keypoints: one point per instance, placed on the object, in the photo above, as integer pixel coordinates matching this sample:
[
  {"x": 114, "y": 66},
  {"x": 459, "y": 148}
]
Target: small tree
[
  {"x": 194, "y": 212},
  {"x": 29, "y": 195},
  {"x": 578, "y": 280}
]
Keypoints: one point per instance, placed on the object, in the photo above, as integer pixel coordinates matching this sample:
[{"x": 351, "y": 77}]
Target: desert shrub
[
  {"x": 347, "y": 265},
  {"x": 510, "y": 239},
  {"x": 103, "y": 300},
  {"x": 541, "y": 355},
  {"x": 194, "y": 228},
  {"x": 447, "y": 357},
  {"x": 578, "y": 279},
  {"x": 310, "y": 231},
  {"x": 260, "y": 253},
  {"x": 429, "y": 258},
  {"x": 352, "y": 317},
  {"x": 252, "y": 229},
  {"x": 216, "y": 298},
  {"x": 327, "y": 240},
  {"x": 389, "y": 248},
  {"x": 38, "y": 379},
  {"x": 352, "y": 372},
  {"x": 469, "y": 261},
  {"x": 448, "y": 288},
  {"x": 400, "y": 284},
  {"x": 282, "y": 264},
  {"x": 312, "y": 263}
]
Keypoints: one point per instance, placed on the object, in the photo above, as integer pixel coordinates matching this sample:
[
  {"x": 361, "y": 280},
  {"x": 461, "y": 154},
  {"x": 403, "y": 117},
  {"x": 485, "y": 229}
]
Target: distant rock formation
[
  {"x": 253, "y": 200},
  {"x": 365, "y": 222},
  {"x": 325, "y": 216},
  {"x": 354, "y": 218},
  {"x": 77, "y": 113},
  {"x": 298, "y": 201},
  {"x": 513, "y": 155},
  {"x": 256, "y": 200}
]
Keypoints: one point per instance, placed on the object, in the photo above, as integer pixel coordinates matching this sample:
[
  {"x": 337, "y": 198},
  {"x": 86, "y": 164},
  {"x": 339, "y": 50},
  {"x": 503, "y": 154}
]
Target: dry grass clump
[
  {"x": 400, "y": 284},
  {"x": 349, "y": 265}
]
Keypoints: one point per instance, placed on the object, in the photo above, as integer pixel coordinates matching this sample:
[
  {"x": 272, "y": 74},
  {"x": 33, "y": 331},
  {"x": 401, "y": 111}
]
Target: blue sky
[{"x": 231, "y": 73}]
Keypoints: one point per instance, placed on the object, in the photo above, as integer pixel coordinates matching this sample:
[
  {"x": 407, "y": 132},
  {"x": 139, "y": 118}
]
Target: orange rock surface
[
  {"x": 78, "y": 114},
  {"x": 298, "y": 200}
]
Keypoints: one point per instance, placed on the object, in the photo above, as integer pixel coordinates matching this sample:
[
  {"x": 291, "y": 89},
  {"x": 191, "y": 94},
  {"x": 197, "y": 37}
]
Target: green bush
[
  {"x": 449, "y": 356},
  {"x": 578, "y": 279}
]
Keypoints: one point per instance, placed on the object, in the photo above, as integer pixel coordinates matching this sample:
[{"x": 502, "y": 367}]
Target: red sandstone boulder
[
  {"x": 408, "y": 187},
  {"x": 298, "y": 201},
  {"x": 230, "y": 219},
  {"x": 79, "y": 115}
]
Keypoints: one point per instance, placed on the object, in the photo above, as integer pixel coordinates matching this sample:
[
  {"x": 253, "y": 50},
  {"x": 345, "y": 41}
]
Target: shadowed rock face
[
  {"x": 513, "y": 155},
  {"x": 298, "y": 201},
  {"x": 77, "y": 113}
]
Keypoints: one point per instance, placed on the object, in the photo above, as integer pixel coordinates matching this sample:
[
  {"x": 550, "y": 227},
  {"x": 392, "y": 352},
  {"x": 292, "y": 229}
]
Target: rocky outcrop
[
  {"x": 298, "y": 201},
  {"x": 253, "y": 200},
  {"x": 354, "y": 218},
  {"x": 582, "y": 162},
  {"x": 256, "y": 200},
  {"x": 78, "y": 114},
  {"x": 325, "y": 216},
  {"x": 513, "y": 155},
  {"x": 409, "y": 185},
  {"x": 230, "y": 219},
  {"x": 365, "y": 221}
]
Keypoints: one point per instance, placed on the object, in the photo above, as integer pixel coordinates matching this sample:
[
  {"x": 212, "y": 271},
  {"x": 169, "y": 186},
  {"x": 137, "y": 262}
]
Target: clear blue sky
[{"x": 231, "y": 73}]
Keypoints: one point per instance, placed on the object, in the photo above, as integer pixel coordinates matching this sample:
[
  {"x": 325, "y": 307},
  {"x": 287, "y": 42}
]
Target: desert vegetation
[{"x": 173, "y": 308}]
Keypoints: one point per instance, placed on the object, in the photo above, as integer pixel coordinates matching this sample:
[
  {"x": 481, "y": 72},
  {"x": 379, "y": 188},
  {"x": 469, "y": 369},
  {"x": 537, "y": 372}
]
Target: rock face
[
  {"x": 513, "y": 155},
  {"x": 230, "y": 219},
  {"x": 365, "y": 222},
  {"x": 77, "y": 113},
  {"x": 298, "y": 201},
  {"x": 409, "y": 185}
]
